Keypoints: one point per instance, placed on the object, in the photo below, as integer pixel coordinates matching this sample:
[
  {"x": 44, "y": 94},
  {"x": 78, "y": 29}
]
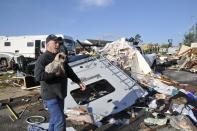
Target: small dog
[{"x": 57, "y": 65}]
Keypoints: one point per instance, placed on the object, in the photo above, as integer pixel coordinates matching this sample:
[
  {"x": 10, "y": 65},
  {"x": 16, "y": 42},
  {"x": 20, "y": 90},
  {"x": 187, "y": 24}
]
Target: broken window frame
[{"x": 93, "y": 92}]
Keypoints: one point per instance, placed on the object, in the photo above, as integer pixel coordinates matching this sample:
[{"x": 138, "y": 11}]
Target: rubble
[
  {"x": 26, "y": 82},
  {"x": 35, "y": 120},
  {"x": 181, "y": 122},
  {"x": 166, "y": 87},
  {"x": 155, "y": 121},
  {"x": 150, "y": 100},
  {"x": 188, "y": 57},
  {"x": 79, "y": 115}
]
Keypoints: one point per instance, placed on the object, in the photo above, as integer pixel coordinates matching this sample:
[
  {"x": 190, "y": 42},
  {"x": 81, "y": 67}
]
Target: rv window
[
  {"x": 93, "y": 91},
  {"x": 43, "y": 44},
  {"x": 69, "y": 44},
  {"x": 7, "y": 44},
  {"x": 30, "y": 44}
]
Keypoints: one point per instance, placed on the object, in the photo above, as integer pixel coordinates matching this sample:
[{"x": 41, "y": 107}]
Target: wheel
[
  {"x": 154, "y": 66},
  {"x": 4, "y": 62},
  {"x": 22, "y": 63}
]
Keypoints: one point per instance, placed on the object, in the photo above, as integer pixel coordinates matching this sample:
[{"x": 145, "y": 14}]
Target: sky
[{"x": 155, "y": 20}]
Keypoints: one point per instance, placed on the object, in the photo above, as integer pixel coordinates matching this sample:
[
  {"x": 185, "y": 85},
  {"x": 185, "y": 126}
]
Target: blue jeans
[{"x": 56, "y": 112}]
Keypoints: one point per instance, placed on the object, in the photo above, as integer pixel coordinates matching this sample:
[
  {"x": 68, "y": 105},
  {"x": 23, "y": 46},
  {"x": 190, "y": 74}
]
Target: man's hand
[{"x": 82, "y": 86}]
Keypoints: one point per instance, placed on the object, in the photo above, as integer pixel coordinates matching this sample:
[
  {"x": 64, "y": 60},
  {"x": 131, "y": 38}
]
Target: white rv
[
  {"x": 109, "y": 90},
  {"x": 30, "y": 45}
]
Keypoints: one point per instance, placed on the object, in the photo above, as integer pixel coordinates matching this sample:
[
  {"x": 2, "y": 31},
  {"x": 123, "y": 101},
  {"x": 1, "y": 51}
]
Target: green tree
[
  {"x": 191, "y": 36},
  {"x": 164, "y": 45}
]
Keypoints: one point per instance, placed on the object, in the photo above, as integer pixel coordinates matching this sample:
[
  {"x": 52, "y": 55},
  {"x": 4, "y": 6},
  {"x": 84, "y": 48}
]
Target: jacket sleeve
[
  {"x": 39, "y": 71},
  {"x": 71, "y": 74}
]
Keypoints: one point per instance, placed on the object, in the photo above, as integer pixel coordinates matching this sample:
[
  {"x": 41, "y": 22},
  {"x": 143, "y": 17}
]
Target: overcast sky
[{"x": 155, "y": 20}]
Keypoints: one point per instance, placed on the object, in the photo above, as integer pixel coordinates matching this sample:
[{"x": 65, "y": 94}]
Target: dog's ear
[{"x": 61, "y": 57}]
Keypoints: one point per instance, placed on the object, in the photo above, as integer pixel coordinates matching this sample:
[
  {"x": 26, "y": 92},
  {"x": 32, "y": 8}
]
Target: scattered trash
[
  {"x": 34, "y": 127},
  {"x": 119, "y": 121},
  {"x": 179, "y": 100},
  {"x": 187, "y": 57},
  {"x": 26, "y": 82},
  {"x": 160, "y": 96},
  {"x": 103, "y": 96},
  {"x": 191, "y": 95},
  {"x": 155, "y": 121},
  {"x": 14, "y": 114},
  {"x": 35, "y": 120},
  {"x": 44, "y": 127},
  {"x": 153, "y": 104},
  {"x": 23, "y": 112},
  {"x": 185, "y": 110},
  {"x": 26, "y": 100},
  {"x": 98, "y": 124},
  {"x": 181, "y": 122},
  {"x": 79, "y": 115}
]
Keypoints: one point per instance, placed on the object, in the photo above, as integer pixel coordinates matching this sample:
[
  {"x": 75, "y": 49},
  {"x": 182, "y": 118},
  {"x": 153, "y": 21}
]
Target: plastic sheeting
[{"x": 123, "y": 53}]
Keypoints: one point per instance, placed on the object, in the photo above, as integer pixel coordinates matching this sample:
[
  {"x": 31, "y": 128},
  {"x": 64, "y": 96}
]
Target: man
[{"x": 54, "y": 85}]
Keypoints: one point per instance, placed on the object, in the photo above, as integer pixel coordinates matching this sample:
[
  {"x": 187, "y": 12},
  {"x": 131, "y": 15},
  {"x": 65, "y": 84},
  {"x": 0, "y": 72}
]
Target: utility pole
[
  {"x": 170, "y": 42},
  {"x": 195, "y": 37}
]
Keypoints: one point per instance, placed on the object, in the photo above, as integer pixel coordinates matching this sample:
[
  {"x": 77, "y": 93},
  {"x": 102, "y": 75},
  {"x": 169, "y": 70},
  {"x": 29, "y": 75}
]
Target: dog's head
[{"x": 60, "y": 57}]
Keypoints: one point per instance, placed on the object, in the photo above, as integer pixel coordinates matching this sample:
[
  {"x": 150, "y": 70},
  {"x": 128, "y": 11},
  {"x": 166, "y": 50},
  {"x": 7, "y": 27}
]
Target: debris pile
[
  {"x": 6, "y": 79},
  {"x": 167, "y": 103},
  {"x": 79, "y": 115},
  {"x": 9, "y": 79},
  {"x": 188, "y": 57},
  {"x": 127, "y": 57}
]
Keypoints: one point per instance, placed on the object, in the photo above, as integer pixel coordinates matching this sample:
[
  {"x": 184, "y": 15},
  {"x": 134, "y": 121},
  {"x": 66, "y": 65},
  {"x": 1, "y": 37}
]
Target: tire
[
  {"x": 22, "y": 63},
  {"x": 4, "y": 62},
  {"x": 154, "y": 66}
]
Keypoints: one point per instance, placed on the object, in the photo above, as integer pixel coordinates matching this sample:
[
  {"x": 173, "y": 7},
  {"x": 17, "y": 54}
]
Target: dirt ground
[
  {"x": 30, "y": 101},
  {"x": 34, "y": 107},
  {"x": 14, "y": 92},
  {"x": 183, "y": 77}
]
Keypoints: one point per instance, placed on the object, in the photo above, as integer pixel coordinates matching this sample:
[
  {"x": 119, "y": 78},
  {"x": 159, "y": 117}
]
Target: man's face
[{"x": 53, "y": 46}]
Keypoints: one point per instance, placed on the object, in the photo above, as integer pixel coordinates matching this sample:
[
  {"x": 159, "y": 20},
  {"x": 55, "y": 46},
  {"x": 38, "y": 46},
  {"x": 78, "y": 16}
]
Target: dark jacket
[{"x": 52, "y": 86}]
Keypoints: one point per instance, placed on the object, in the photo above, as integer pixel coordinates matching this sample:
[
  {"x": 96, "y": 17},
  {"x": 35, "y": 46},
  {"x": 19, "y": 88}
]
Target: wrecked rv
[
  {"x": 107, "y": 86},
  {"x": 112, "y": 80}
]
